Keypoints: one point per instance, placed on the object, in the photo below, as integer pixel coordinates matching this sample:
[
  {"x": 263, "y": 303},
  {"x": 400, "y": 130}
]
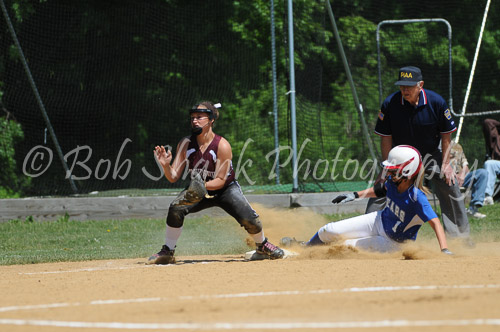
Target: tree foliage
[
  {"x": 110, "y": 70},
  {"x": 12, "y": 182}
]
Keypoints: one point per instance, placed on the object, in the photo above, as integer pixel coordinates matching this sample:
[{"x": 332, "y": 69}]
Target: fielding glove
[{"x": 196, "y": 190}]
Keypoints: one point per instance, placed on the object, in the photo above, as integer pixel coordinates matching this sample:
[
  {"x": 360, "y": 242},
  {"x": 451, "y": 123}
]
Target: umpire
[{"x": 421, "y": 118}]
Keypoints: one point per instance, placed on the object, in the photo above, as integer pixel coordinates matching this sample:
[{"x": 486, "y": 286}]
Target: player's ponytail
[{"x": 419, "y": 181}]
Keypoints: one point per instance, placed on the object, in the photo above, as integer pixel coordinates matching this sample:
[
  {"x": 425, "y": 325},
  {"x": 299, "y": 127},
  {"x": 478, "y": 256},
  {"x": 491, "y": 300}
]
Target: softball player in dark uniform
[
  {"x": 421, "y": 118},
  {"x": 406, "y": 211},
  {"x": 207, "y": 156}
]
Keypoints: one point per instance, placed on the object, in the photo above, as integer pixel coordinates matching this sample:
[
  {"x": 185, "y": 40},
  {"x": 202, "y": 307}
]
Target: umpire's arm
[
  {"x": 385, "y": 146},
  {"x": 446, "y": 168}
]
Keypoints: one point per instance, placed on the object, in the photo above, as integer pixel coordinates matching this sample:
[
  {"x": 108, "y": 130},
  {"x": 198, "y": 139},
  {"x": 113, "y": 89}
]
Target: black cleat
[
  {"x": 163, "y": 257},
  {"x": 270, "y": 250}
]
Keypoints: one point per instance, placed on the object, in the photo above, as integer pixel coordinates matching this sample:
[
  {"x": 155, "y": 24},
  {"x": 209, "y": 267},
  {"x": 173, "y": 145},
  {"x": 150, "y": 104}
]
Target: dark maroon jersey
[{"x": 204, "y": 163}]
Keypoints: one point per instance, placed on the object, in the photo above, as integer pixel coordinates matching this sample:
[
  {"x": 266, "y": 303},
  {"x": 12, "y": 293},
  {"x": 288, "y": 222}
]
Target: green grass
[
  {"x": 487, "y": 229},
  {"x": 26, "y": 242},
  {"x": 29, "y": 241}
]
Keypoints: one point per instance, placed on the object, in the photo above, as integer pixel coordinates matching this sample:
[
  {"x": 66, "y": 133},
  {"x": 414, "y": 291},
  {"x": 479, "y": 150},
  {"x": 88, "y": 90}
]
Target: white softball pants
[{"x": 365, "y": 232}]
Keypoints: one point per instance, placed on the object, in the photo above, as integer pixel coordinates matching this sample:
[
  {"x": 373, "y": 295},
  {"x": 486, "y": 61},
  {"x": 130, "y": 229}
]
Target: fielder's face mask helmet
[
  {"x": 403, "y": 161},
  {"x": 209, "y": 112},
  {"x": 211, "y": 116},
  {"x": 204, "y": 109}
]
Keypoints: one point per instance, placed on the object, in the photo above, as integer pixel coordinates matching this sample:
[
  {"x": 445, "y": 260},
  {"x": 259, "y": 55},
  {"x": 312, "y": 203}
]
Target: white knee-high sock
[
  {"x": 171, "y": 236},
  {"x": 259, "y": 237}
]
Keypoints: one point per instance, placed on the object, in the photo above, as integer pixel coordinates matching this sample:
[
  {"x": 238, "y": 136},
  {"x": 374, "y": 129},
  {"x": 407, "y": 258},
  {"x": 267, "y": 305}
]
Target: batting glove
[{"x": 345, "y": 198}]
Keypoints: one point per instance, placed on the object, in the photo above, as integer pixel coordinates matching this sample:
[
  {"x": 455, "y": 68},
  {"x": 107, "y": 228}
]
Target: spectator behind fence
[
  {"x": 491, "y": 129},
  {"x": 421, "y": 118},
  {"x": 493, "y": 169},
  {"x": 474, "y": 181}
]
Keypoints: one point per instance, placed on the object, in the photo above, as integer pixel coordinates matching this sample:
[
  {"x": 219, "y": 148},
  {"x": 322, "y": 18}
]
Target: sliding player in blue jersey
[{"x": 407, "y": 209}]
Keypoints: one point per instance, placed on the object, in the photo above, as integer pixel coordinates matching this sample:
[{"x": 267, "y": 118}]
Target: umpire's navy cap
[{"x": 409, "y": 76}]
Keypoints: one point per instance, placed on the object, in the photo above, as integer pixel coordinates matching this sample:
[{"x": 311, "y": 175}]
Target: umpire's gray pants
[{"x": 454, "y": 215}]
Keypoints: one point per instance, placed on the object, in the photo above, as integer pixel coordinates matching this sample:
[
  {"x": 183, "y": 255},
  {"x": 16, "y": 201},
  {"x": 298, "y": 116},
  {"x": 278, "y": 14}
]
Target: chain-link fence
[{"x": 116, "y": 78}]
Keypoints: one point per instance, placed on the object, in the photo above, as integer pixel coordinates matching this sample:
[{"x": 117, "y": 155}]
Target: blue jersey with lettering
[
  {"x": 405, "y": 212},
  {"x": 419, "y": 126}
]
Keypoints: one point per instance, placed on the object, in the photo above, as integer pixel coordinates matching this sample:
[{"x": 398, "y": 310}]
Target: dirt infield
[{"x": 321, "y": 289}]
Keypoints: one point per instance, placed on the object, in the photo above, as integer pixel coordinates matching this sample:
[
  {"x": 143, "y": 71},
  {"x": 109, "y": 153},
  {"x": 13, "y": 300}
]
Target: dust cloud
[{"x": 303, "y": 223}]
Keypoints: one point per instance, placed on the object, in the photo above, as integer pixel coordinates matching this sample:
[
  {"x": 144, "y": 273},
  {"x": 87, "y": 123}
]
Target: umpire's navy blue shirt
[{"x": 419, "y": 126}]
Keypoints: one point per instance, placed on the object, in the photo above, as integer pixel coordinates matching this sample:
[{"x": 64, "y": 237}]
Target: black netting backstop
[{"x": 116, "y": 78}]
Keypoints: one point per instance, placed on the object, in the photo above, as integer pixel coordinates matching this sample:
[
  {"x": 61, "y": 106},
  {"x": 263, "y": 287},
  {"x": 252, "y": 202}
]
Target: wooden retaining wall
[{"x": 98, "y": 208}]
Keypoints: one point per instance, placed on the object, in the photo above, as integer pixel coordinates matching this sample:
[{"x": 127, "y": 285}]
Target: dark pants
[
  {"x": 230, "y": 199},
  {"x": 454, "y": 215},
  {"x": 491, "y": 131}
]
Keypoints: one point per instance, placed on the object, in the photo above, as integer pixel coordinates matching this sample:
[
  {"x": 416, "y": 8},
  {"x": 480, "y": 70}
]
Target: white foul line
[
  {"x": 344, "y": 290},
  {"x": 90, "y": 269},
  {"x": 106, "y": 268},
  {"x": 252, "y": 326},
  {"x": 254, "y": 294},
  {"x": 39, "y": 306}
]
